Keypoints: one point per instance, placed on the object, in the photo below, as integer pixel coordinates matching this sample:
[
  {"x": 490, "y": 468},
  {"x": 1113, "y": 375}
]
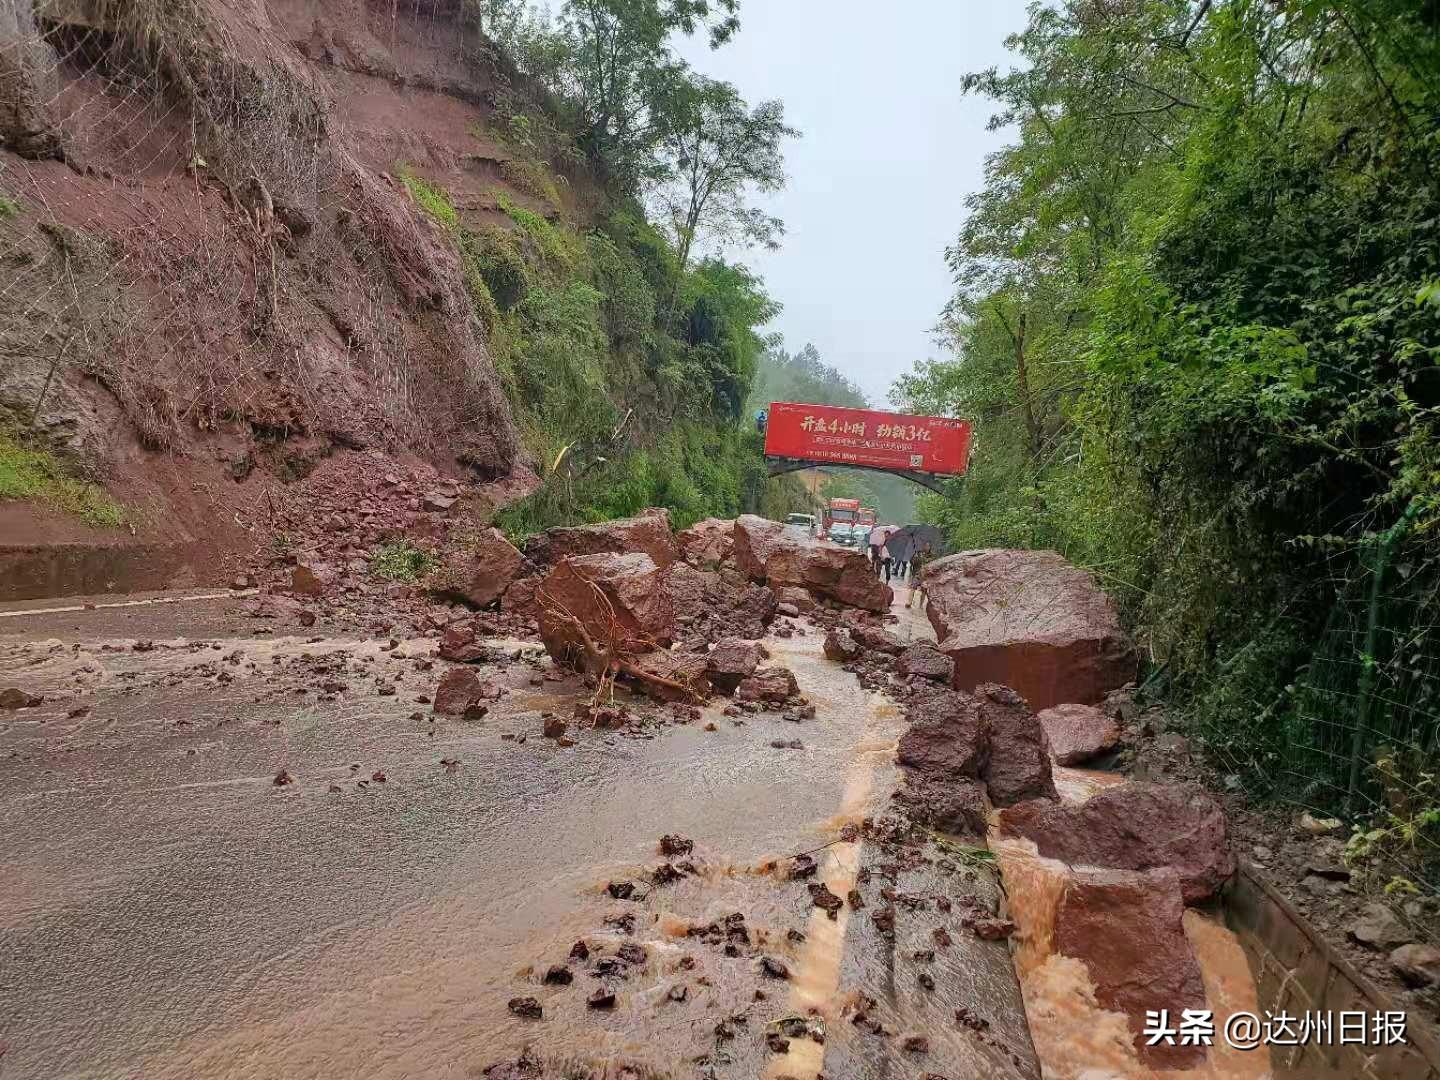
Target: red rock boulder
[
  {"x": 708, "y": 543},
  {"x": 459, "y": 689},
  {"x": 875, "y": 638},
  {"x": 459, "y": 644},
  {"x": 648, "y": 533},
  {"x": 1029, "y": 620},
  {"x": 619, "y": 601},
  {"x": 766, "y": 552},
  {"x": 926, "y": 662},
  {"x": 797, "y": 598},
  {"x": 519, "y": 598},
  {"x": 946, "y": 738},
  {"x": 1134, "y": 827},
  {"x": 733, "y": 660},
  {"x": 1127, "y": 927},
  {"x": 775, "y": 684},
  {"x": 1017, "y": 766},
  {"x": 478, "y": 568},
  {"x": 841, "y": 646},
  {"x": 688, "y": 671},
  {"x": 1078, "y": 733}
]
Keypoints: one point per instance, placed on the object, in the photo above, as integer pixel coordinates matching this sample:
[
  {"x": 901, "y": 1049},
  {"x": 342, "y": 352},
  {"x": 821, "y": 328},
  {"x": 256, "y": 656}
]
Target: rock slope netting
[{"x": 212, "y": 266}]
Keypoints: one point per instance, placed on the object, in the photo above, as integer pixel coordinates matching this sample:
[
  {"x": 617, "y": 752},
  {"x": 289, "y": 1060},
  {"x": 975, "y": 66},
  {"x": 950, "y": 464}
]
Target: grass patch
[
  {"x": 401, "y": 561},
  {"x": 561, "y": 249},
  {"x": 40, "y": 476},
  {"x": 532, "y": 179},
  {"x": 9, "y": 208},
  {"x": 431, "y": 198}
]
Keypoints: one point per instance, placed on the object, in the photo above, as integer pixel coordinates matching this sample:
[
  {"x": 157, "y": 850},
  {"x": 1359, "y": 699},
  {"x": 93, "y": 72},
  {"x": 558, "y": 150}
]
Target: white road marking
[{"x": 129, "y": 603}]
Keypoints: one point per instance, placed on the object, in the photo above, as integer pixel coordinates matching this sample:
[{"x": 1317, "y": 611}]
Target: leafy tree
[
  {"x": 1191, "y": 322},
  {"x": 718, "y": 151},
  {"x": 610, "y": 62}
]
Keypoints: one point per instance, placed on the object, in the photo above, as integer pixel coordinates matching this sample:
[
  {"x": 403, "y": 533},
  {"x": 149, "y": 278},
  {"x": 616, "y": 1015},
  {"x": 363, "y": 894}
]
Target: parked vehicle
[
  {"x": 843, "y": 533},
  {"x": 841, "y": 511},
  {"x": 797, "y": 523}
]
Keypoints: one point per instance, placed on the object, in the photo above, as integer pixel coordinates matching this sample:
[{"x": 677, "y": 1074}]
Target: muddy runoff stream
[
  {"x": 169, "y": 910},
  {"x": 1077, "y": 1039}
]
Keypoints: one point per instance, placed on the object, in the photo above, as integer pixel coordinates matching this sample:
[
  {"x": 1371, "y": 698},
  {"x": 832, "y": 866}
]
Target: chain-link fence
[{"x": 1355, "y": 733}]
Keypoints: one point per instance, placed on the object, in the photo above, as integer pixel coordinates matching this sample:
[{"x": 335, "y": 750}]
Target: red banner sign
[{"x": 825, "y": 433}]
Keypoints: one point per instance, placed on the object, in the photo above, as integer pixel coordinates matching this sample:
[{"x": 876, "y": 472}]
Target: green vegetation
[
  {"x": 39, "y": 475},
  {"x": 431, "y": 198},
  {"x": 1195, "y": 327},
  {"x": 401, "y": 561},
  {"x": 9, "y": 208},
  {"x": 533, "y": 179}
]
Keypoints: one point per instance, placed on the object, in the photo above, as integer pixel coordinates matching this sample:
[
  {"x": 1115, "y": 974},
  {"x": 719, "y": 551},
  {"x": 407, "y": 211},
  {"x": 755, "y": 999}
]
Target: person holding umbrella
[
  {"x": 898, "y": 548},
  {"x": 878, "y": 533}
]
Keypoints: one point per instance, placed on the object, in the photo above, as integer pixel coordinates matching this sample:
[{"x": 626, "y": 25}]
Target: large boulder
[
  {"x": 620, "y": 601},
  {"x": 1134, "y": 827},
  {"x": 940, "y": 757},
  {"x": 946, "y": 738},
  {"x": 708, "y": 543},
  {"x": 478, "y": 568},
  {"x": 1029, "y": 620},
  {"x": 648, "y": 532},
  {"x": 1078, "y": 733},
  {"x": 1128, "y": 929},
  {"x": 766, "y": 552},
  {"x": 733, "y": 660},
  {"x": 1017, "y": 766}
]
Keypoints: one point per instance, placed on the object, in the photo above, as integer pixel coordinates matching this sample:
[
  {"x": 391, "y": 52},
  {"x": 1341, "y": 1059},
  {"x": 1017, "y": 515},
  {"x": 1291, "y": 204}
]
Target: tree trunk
[{"x": 1022, "y": 379}]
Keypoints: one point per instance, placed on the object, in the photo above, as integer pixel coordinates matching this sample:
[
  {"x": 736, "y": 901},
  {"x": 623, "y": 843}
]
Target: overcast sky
[{"x": 878, "y": 179}]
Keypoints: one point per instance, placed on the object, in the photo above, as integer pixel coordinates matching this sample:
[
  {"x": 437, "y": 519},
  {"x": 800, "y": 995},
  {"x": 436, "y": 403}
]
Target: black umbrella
[{"x": 913, "y": 538}]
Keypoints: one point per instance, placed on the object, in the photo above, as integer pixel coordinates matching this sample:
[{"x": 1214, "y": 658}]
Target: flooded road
[{"x": 169, "y": 911}]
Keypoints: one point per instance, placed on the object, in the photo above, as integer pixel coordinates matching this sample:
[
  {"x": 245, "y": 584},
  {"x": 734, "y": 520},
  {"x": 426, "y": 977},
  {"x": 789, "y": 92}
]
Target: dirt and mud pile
[
  {"x": 216, "y": 272},
  {"x": 1028, "y": 620}
]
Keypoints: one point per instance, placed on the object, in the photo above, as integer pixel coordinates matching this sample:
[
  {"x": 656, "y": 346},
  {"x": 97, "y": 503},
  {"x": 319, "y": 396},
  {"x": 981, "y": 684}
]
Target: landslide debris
[{"x": 1028, "y": 620}]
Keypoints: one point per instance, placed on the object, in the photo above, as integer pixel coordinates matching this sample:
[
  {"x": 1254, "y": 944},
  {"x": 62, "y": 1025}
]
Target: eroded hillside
[{"x": 216, "y": 267}]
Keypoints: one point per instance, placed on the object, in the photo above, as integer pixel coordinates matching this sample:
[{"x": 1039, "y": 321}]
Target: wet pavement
[{"x": 167, "y": 910}]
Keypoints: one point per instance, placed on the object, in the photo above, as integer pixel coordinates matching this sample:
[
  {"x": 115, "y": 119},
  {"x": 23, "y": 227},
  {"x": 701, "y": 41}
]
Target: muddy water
[
  {"x": 1075, "y": 1038},
  {"x": 169, "y": 912}
]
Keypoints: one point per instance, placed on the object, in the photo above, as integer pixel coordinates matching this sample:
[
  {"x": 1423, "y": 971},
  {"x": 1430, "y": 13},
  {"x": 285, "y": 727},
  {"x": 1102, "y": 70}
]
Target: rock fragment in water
[{"x": 528, "y": 1007}]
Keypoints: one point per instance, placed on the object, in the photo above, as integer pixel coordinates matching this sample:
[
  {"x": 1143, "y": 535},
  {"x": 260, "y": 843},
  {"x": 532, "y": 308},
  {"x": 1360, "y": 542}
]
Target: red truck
[{"x": 841, "y": 516}]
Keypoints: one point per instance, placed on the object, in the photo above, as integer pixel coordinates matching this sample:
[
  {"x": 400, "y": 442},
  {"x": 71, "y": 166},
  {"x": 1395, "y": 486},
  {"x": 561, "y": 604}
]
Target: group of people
[{"x": 896, "y": 557}]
